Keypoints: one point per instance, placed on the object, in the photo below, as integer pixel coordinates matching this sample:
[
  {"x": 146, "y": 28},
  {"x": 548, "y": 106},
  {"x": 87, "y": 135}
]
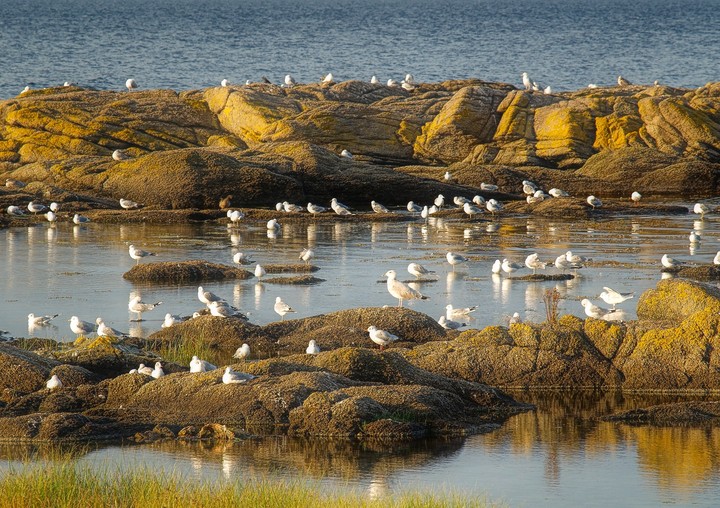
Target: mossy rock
[
  {"x": 179, "y": 272},
  {"x": 23, "y": 370},
  {"x": 299, "y": 280},
  {"x": 676, "y": 299}
]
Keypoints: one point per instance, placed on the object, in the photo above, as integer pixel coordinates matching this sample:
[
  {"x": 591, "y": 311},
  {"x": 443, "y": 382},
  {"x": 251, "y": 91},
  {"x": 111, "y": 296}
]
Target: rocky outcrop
[
  {"x": 175, "y": 272},
  {"x": 187, "y": 150}
]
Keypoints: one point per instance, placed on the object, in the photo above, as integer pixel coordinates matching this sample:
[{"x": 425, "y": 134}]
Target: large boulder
[{"x": 23, "y": 370}]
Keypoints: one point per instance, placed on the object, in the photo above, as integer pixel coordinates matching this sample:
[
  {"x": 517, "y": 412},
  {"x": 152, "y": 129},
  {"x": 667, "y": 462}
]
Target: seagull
[
  {"x": 471, "y": 209},
  {"x": 547, "y": 90},
  {"x": 26, "y": 89},
  {"x": 447, "y": 176},
  {"x": 289, "y": 80},
  {"x": 534, "y": 263},
  {"x": 224, "y": 83},
  {"x": 455, "y": 259},
  {"x": 461, "y": 200},
  {"x": 400, "y": 290},
  {"x": 198, "y": 365},
  {"x": 346, "y": 154},
  {"x": 716, "y": 259},
  {"x": 479, "y": 200},
  {"x": 282, "y": 308},
  {"x": 381, "y": 337},
  {"x": 528, "y": 187},
  {"x": 488, "y": 187},
  {"x": 315, "y": 209},
  {"x": 51, "y": 216},
  {"x": 623, "y": 82},
  {"x": 127, "y": 204},
  {"x": 242, "y": 259},
  {"x": 527, "y": 83},
  {"x": 328, "y": 78},
  {"x": 636, "y": 197},
  {"x": 510, "y": 266},
  {"x": 53, "y": 383},
  {"x": 54, "y": 207},
  {"x": 221, "y": 309},
  {"x": 80, "y": 219},
  {"x": 81, "y": 327},
  {"x": 558, "y": 193},
  {"x": 339, "y": 208},
  {"x": 207, "y": 297},
  {"x": 306, "y": 255},
  {"x": 378, "y": 208},
  {"x": 413, "y": 208},
  {"x": 144, "y": 369},
  {"x": 593, "y": 311},
  {"x": 592, "y": 86},
  {"x": 562, "y": 263},
  {"x": 137, "y": 306},
  {"x": 232, "y": 377},
  {"x": 312, "y": 348},
  {"x": 449, "y": 324},
  {"x": 701, "y": 209},
  {"x": 235, "y": 216},
  {"x": 170, "y": 320},
  {"x": 391, "y": 82},
  {"x": 576, "y": 258},
  {"x": 279, "y": 207},
  {"x": 594, "y": 202},
  {"x": 669, "y": 262},
  {"x": 612, "y": 297},
  {"x": 15, "y": 210},
  {"x": 120, "y": 155},
  {"x": 130, "y": 84},
  {"x": 34, "y": 320},
  {"x": 273, "y": 225},
  {"x": 451, "y": 312},
  {"x": 138, "y": 254},
  {"x": 493, "y": 206},
  {"x": 439, "y": 201},
  {"x": 374, "y": 80},
  {"x": 425, "y": 212},
  {"x": 36, "y": 207},
  {"x": 695, "y": 237},
  {"x": 292, "y": 208},
  {"x": 107, "y": 331},
  {"x": 515, "y": 319},
  {"x": 243, "y": 352},
  {"x": 158, "y": 371},
  {"x": 497, "y": 266},
  {"x": 259, "y": 271},
  {"x": 417, "y": 270}
]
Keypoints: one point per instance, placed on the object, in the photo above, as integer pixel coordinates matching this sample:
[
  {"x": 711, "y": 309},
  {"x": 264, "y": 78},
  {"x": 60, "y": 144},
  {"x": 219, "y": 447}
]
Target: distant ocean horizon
[{"x": 190, "y": 44}]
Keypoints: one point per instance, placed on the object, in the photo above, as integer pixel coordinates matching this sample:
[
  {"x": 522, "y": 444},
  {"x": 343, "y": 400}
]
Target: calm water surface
[{"x": 186, "y": 44}]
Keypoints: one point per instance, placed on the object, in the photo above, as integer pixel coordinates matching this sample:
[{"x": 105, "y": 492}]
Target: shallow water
[
  {"x": 559, "y": 455},
  {"x": 77, "y": 270}
]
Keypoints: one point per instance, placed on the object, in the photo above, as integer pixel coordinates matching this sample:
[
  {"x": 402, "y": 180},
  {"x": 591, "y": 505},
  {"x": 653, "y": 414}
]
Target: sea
[{"x": 192, "y": 44}]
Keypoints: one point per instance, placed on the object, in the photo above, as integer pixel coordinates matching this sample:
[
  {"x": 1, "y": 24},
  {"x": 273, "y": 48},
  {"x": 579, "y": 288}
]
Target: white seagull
[
  {"x": 345, "y": 153},
  {"x": 449, "y": 324},
  {"x": 315, "y": 209},
  {"x": 259, "y": 271},
  {"x": 130, "y": 84},
  {"x": 36, "y": 207},
  {"x": 54, "y": 207},
  {"x": 490, "y": 187},
  {"x": 158, "y": 371},
  {"x": 452, "y": 313},
  {"x": 306, "y": 255},
  {"x": 282, "y": 308},
  {"x": 232, "y": 377},
  {"x": 81, "y": 327},
  {"x": 636, "y": 197},
  {"x": 128, "y": 204},
  {"x": 534, "y": 263},
  {"x": 120, "y": 155},
  {"x": 198, "y": 365},
  {"x": 593, "y": 311},
  {"x": 137, "y": 306},
  {"x": 418, "y": 270},
  {"x": 53, "y": 383},
  {"x": 51, "y": 216},
  {"x": 381, "y": 337},
  {"x": 471, "y": 209},
  {"x": 241, "y": 258},
  {"x": 107, "y": 331},
  {"x": 138, "y": 254},
  {"x": 701, "y": 209},
  {"x": 558, "y": 193},
  {"x": 612, "y": 297},
  {"x": 328, "y": 78},
  {"x": 439, "y": 201},
  {"x": 378, "y": 208},
  {"x": 243, "y": 352},
  {"x": 510, "y": 266},
  {"x": 413, "y": 208},
  {"x": 527, "y": 82},
  {"x": 171, "y": 320},
  {"x": 594, "y": 202},
  {"x": 15, "y": 210},
  {"x": 339, "y": 208},
  {"x": 80, "y": 219},
  {"x": 34, "y": 320},
  {"x": 455, "y": 259},
  {"x": 400, "y": 290},
  {"x": 493, "y": 206},
  {"x": 207, "y": 297},
  {"x": 497, "y": 266},
  {"x": 312, "y": 348},
  {"x": 289, "y": 80},
  {"x": 669, "y": 262}
]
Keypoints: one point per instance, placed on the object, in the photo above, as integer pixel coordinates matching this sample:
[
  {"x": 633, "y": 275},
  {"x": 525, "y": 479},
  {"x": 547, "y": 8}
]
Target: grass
[
  {"x": 181, "y": 351},
  {"x": 551, "y": 299},
  {"x": 66, "y": 484}
]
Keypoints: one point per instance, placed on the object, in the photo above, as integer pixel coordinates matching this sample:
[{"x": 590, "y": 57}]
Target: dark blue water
[{"x": 187, "y": 44}]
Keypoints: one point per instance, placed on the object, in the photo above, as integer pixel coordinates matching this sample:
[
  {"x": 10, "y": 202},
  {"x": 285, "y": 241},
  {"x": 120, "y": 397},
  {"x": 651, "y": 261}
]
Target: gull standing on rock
[
  {"x": 128, "y": 204},
  {"x": 130, "y": 84},
  {"x": 289, "y": 80},
  {"x": 439, "y": 201},
  {"x": 558, "y": 193},
  {"x": 15, "y": 210},
  {"x": 222, "y": 309},
  {"x": 232, "y": 377},
  {"x": 120, "y": 155},
  {"x": 413, "y": 208},
  {"x": 35, "y": 207},
  {"x": 138, "y": 254},
  {"x": 510, "y": 266},
  {"x": 493, "y": 206},
  {"x": 144, "y": 369},
  {"x": 562, "y": 264},
  {"x": 449, "y": 324},
  {"x": 198, "y": 365},
  {"x": 51, "y": 216},
  {"x": 107, "y": 331},
  {"x": 80, "y": 219},
  {"x": 345, "y": 153},
  {"x": 527, "y": 82},
  {"x": 224, "y": 83},
  {"x": 455, "y": 259},
  {"x": 381, "y": 337},
  {"x": 489, "y": 187},
  {"x": 534, "y": 263},
  {"x": 669, "y": 262},
  {"x": 400, "y": 290},
  {"x": 622, "y": 81},
  {"x": 593, "y": 311},
  {"x": 207, "y": 297},
  {"x": 636, "y": 197},
  {"x": 53, "y": 383},
  {"x": 312, "y": 348},
  {"x": 315, "y": 209},
  {"x": 158, "y": 371},
  {"x": 171, "y": 320},
  {"x": 241, "y": 258},
  {"x": 81, "y": 327},
  {"x": 137, "y": 306},
  {"x": 282, "y": 308},
  {"x": 471, "y": 209},
  {"x": 701, "y": 209},
  {"x": 418, "y": 270},
  {"x": 339, "y": 208},
  {"x": 243, "y": 352},
  {"x": 612, "y": 297}
]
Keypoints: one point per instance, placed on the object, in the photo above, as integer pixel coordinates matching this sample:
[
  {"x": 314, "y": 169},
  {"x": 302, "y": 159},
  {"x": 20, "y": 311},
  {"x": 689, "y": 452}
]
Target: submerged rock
[
  {"x": 177, "y": 272},
  {"x": 678, "y": 413}
]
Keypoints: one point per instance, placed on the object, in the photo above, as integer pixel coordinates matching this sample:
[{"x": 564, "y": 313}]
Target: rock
[
  {"x": 104, "y": 356},
  {"x": 178, "y": 272},
  {"x": 22, "y": 370},
  {"x": 299, "y": 280},
  {"x": 73, "y": 376},
  {"x": 678, "y": 413},
  {"x": 674, "y": 300}
]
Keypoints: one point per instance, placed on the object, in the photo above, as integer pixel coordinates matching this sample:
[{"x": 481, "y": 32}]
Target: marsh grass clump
[
  {"x": 68, "y": 484},
  {"x": 551, "y": 299},
  {"x": 182, "y": 350}
]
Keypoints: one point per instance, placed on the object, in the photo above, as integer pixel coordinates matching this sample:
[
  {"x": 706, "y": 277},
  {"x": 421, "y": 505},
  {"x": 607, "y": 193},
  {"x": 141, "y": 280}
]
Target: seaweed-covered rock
[
  {"x": 678, "y": 413},
  {"x": 23, "y": 370},
  {"x": 104, "y": 356},
  {"x": 177, "y": 272}
]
